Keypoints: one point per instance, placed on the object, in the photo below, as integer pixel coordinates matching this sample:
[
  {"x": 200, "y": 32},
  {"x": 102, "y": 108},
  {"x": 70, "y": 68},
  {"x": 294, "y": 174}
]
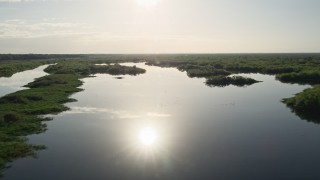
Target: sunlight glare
[
  {"x": 148, "y": 136},
  {"x": 147, "y": 3}
]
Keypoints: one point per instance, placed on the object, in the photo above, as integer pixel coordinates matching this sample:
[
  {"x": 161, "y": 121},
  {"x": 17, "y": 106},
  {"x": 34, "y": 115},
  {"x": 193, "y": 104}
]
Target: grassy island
[
  {"x": 223, "y": 81},
  {"x": 20, "y": 112}
]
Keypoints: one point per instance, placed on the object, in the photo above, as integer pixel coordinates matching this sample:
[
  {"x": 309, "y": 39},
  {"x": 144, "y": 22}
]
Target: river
[{"x": 165, "y": 125}]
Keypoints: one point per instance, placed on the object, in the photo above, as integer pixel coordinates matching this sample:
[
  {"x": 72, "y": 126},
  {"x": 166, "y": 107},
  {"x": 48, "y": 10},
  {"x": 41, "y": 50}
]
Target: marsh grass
[
  {"x": 222, "y": 81},
  {"x": 8, "y": 69}
]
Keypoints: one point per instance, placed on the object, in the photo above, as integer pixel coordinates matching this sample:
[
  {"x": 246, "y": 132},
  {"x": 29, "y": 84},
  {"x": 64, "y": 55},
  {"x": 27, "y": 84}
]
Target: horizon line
[{"x": 203, "y": 53}]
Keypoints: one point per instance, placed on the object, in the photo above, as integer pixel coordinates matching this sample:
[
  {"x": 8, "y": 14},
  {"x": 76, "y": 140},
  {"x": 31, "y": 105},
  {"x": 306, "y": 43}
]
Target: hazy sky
[{"x": 159, "y": 26}]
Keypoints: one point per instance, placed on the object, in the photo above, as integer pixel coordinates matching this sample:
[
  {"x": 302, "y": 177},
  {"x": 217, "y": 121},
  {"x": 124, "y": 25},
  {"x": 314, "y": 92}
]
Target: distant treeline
[
  {"x": 4, "y": 57},
  {"x": 289, "y": 68}
]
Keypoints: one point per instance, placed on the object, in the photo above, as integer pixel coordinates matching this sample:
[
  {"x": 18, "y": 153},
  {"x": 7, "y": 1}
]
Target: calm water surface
[
  {"x": 164, "y": 125},
  {"x": 15, "y": 82}
]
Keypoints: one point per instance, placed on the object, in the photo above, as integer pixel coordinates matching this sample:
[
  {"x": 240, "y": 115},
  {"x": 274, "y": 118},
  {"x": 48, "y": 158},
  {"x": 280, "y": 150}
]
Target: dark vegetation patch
[
  {"x": 85, "y": 67},
  {"x": 203, "y": 71},
  {"x": 48, "y": 81},
  {"x": 303, "y": 77},
  {"x": 25, "y": 57},
  {"x": 116, "y": 69},
  {"x": 222, "y": 81},
  {"x": 306, "y": 104}
]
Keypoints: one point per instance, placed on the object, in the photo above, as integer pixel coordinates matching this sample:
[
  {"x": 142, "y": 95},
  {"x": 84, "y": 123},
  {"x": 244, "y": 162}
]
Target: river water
[
  {"x": 17, "y": 81},
  {"x": 164, "y": 125}
]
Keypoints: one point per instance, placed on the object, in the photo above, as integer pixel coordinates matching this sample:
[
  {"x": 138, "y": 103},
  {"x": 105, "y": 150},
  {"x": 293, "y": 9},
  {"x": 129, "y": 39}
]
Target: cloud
[
  {"x": 14, "y": 1},
  {"x": 18, "y": 1},
  {"x": 55, "y": 35},
  {"x": 23, "y": 29},
  {"x": 152, "y": 114},
  {"x": 17, "y": 28}
]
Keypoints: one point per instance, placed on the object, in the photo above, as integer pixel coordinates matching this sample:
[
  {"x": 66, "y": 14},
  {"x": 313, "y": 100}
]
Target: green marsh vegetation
[
  {"x": 13, "y": 63},
  {"x": 8, "y": 69},
  {"x": 306, "y": 104},
  {"x": 223, "y": 81},
  {"x": 27, "y": 57},
  {"x": 21, "y": 112}
]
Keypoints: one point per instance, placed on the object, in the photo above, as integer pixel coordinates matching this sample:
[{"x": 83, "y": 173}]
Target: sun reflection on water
[
  {"x": 148, "y": 142},
  {"x": 148, "y": 136}
]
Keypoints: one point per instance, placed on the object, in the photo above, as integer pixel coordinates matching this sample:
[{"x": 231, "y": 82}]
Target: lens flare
[{"x": 148, "y": 136}]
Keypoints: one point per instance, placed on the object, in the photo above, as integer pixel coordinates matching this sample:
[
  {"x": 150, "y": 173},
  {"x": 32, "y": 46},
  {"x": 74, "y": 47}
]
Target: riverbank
[{"x": 21, "y": 111}]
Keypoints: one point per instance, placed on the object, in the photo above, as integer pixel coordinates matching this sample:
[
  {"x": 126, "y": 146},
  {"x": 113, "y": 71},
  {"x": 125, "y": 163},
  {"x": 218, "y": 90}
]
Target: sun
[
  {"x": 147, "y": 3},
  {"x": 148, "y": 136}
]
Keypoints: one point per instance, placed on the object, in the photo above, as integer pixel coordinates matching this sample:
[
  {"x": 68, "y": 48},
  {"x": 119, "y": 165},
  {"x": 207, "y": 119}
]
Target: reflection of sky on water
[
  {"x": 115, "y": 113},
  {"x": 201, "y": 132},
  {"x": 15, "y": 82}
]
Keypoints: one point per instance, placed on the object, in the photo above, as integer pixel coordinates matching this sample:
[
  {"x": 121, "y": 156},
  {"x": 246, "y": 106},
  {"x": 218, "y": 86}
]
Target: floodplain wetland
[{"x": 173, "y": 116}]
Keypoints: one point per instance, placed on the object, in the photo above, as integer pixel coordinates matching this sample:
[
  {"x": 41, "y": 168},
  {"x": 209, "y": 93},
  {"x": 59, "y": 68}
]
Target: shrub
[
  {"x": 11, "y": 117},
  {"x": 222, "y": 81}
]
